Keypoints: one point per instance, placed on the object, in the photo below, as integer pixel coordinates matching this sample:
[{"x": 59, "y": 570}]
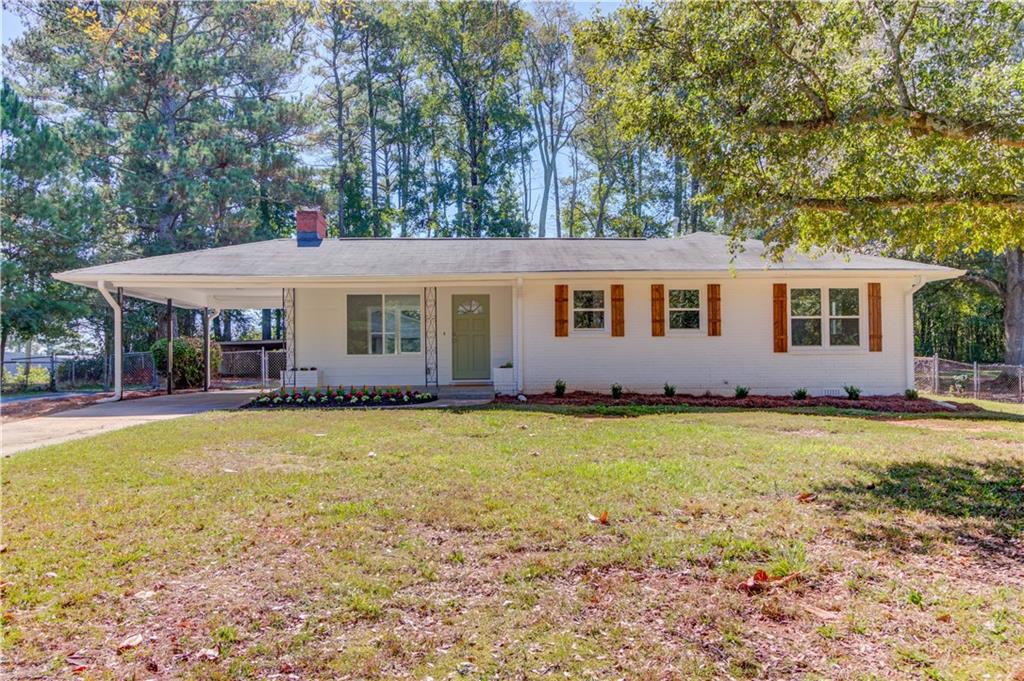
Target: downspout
[
  {"x": 908, "y": 329},
  {"x": 118, "y": 351}
]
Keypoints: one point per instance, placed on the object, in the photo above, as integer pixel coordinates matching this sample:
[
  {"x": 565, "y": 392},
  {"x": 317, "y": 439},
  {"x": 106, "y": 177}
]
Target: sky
[{"x": 12, "y": 28}]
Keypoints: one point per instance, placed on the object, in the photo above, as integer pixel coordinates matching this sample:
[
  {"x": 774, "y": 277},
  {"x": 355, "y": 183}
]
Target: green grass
[{"x": 463, "y": 545}]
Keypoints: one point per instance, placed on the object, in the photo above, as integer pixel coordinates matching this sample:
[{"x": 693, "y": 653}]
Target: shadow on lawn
[{"x": 956, "y": 494}]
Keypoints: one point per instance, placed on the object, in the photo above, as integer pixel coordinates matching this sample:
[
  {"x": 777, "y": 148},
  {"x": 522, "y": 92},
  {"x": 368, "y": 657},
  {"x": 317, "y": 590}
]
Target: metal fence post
[
  {"x": 53, "y": 372},
  {"x": 935, "y": 373},
  {"x": 977, "y": 380},
  {"x": 263, "y": 368},
  {"x": 1020, "y": 383}
]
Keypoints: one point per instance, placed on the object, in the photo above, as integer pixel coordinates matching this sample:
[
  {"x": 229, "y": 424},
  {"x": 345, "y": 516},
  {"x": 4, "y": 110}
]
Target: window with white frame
[
  {"x": 807, "y": 321},
  {"x": 683, "y": 308},
  {"x": 805, "y": 316},
  {"x": 588, "y": 309},
  {"x": 380, "y": 324},
  {"x": 844, "y": 316}
]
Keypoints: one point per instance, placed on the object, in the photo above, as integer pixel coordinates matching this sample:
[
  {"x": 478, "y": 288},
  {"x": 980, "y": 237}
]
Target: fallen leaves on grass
[
  {"x": 600, "y": 520},
  {"x": 820, "y": 613},
  {"x": 944, "y": 617},
  {"x": 130, "y": 642},
  {"x": 208, "y": 654},
  {"x": 806, "y": 497},
  {"x": 762, "y": 581}
]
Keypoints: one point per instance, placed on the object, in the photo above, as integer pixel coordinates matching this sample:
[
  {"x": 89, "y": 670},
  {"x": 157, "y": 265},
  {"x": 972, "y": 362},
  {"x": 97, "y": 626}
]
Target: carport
[{"x": 210, "y": 299}]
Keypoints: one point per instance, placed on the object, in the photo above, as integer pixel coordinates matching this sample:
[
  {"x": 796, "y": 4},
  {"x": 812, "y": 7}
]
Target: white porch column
[
  {"x": 517, "y": 334},
  {"x": 118, "y": 343}
]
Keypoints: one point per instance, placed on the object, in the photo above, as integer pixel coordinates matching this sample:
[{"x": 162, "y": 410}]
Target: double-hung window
[
  {"x": 843, "y": 316},
  {"x": 807, "y": 321},
  {"x": 381, "y": 324},
  {"x": 683, "y": 308},
  {"x": 588, "y": 309}
]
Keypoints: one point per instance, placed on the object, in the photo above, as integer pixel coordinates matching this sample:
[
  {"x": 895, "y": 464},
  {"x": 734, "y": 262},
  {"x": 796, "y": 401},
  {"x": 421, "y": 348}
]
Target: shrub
[
  {"x": 188, "y": 360},
  {"x": 852, "y": 392},
  {"x": 506, "y": 365},
  {"x": 559, "y": 388},
  {"x": 910, "y": 394},
  {"x": 800, "y": 394},
  {"x": 670, "y": 390},
  {"x": 38, "y": 377},
  {"x": 616, "y": 390},
  {"x": 741, "y": 391}
]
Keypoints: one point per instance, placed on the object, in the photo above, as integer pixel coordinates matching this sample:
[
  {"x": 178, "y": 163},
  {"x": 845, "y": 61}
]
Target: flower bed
[
  {"x": 883, "y": 403},
  {"x": 339, "y": 397}
]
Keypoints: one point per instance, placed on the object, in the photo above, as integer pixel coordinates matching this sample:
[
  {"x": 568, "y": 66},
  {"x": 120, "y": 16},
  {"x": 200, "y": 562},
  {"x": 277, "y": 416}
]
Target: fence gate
[{"x": 1002, "y": 382}]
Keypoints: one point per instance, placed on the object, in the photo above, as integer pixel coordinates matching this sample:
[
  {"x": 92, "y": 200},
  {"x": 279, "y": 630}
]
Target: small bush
[
  {"x": 670, "y": 390},
  {"x": 559, "y": 388},
  {"x": 800, "y": 394},
  {"x": 741, "y": 391},
  {"x": 852, "y": 392},
  {"x": 188, "y": 360},
  {"x": 506, "y": 365},
  {"x": 616, "y": 390},
  {"x": 910, "y": 394}
]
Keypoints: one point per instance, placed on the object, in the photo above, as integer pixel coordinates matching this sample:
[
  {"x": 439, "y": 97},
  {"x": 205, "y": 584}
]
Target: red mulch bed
[
  {"x": 30, "y": 409},
  {"x": 883, "y": 403}
]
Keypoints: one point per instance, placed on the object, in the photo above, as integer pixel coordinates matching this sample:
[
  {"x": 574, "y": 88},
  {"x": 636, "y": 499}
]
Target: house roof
[
  {"x": 701, "y": 251},
  {"x": 267, "y": 263}
]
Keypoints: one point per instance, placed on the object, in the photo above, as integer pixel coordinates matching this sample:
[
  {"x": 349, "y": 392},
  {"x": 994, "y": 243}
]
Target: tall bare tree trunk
[{"x": 1013, "y": 306}]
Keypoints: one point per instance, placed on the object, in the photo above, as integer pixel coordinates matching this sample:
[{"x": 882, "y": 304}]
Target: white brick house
[{"x": 687, "y": 311}]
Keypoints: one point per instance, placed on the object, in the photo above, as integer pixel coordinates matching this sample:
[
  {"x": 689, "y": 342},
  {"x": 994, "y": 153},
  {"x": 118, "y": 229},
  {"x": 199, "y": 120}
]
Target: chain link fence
[
  {"x": 1001, "y": 382},
  {"x": 260, "y": 368},
  {"x": 78, "y": 372}
]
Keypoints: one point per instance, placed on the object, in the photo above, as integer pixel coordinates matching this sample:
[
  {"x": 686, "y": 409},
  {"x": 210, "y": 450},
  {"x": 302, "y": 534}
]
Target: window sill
[{"x": 830, "y": 350}]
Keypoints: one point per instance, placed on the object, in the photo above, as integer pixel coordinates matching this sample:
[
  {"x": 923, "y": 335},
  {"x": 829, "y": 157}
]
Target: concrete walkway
[{"x": 109, "y": 416}]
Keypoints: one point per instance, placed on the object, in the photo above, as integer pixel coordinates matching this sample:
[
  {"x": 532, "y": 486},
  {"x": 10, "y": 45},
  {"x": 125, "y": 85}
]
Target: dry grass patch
[{"x": 244, "y": 545}]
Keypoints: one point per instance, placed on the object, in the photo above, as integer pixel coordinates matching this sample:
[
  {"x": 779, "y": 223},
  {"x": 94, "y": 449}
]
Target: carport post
[
  {"x": 116, "y": 306},
  {"x": 170, "y": 346},
  {"x": 206, "y": 349}
]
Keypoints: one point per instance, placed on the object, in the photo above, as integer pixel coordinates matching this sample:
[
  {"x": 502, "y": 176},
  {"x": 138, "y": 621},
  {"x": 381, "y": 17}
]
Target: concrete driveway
[{"x": 108, "y": 416}]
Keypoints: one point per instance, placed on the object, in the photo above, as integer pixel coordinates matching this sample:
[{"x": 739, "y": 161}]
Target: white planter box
[
  {"x": 300, "y": 378},
  {"x": 504, "y": 379}
]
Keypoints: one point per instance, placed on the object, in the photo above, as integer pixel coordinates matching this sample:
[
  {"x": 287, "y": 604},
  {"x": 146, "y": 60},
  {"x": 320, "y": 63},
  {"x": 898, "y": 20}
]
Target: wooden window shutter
[
  {"x": 618, "y": 311},
  {"x": 714, "y": 309},
  {"x": 875, "y": 317},
  {"x": 561, "y": 309},
  {"x": 779, "y": 323},
  {"x": 657, "y": 309}
]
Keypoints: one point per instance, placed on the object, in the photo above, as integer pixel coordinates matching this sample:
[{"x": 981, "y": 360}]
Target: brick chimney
[{"x": 310, "y": 226}]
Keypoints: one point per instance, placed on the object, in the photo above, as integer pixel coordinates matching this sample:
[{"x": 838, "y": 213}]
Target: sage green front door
[{"x": 471, "y": 337}]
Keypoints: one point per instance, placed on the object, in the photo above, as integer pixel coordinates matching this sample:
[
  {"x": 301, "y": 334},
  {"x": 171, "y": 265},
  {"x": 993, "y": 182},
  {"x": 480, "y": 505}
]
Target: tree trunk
[
  {"x": 558, "y": 203},
  {"x": 693, "y": 209},
  {"x": 543, "y": 217},
  {"x": 266, "y": 324},
  {"x": 1013, "y": 306},
  {"x": 677, "y": 192}
]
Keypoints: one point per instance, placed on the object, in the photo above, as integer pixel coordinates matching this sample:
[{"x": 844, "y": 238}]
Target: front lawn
[{"x": 423, "y": 543}]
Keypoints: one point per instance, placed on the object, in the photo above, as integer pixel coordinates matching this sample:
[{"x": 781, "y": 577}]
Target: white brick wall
[
  {"x": 321, "y": 342},
  {"x": 693, "y": 362}
]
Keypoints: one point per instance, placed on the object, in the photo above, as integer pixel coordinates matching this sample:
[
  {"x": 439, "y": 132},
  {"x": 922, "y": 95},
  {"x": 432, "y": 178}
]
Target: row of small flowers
[{"x": 340, "y": 397}]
